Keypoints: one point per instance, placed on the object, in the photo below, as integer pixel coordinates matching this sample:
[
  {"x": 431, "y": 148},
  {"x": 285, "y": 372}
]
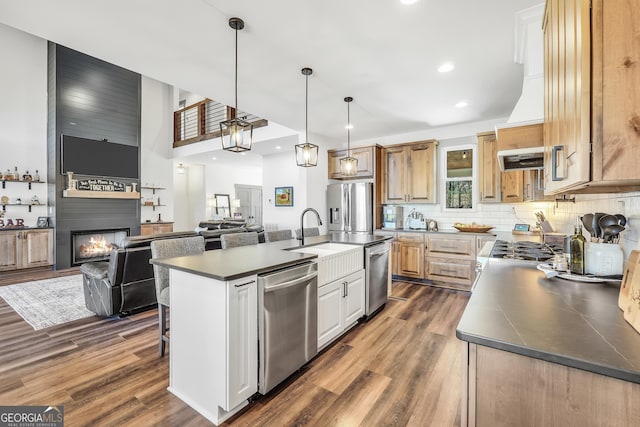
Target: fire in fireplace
[{"x": 95, "y": 245}]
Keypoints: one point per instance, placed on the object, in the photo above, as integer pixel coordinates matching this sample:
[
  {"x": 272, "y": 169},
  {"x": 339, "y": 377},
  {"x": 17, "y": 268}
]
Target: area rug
[{"x": 45, "y": 303}]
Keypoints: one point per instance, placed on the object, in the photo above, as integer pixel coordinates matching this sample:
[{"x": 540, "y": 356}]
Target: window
[{"x": 459, "y": 177}]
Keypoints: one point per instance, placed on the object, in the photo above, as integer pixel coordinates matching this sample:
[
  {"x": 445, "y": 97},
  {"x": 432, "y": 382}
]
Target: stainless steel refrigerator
[{"x": 350, "y": 207}]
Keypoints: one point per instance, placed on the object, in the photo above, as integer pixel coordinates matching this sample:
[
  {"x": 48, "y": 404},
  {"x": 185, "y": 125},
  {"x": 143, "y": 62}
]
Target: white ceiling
[{"x": 382, "y": 53}]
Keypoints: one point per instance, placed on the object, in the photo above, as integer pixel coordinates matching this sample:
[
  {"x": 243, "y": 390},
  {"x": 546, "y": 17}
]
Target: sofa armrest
[{"x": 95, "y": 270}]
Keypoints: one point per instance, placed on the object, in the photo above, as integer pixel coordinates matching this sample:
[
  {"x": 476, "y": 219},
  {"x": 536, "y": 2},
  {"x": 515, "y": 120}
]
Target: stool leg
[{"x": 162, "y": 325}]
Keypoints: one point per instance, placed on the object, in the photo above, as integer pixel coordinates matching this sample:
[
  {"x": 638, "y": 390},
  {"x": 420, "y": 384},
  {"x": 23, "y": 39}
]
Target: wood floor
[{"x": 401, "y": 368}]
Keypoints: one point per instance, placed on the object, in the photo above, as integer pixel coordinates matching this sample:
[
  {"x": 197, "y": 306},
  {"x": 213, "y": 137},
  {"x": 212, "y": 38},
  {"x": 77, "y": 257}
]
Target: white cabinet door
[
  {"x": 329, "y": 312},
  {"x": 242, "y": 340},
  {"x": 354, "y": 298}
]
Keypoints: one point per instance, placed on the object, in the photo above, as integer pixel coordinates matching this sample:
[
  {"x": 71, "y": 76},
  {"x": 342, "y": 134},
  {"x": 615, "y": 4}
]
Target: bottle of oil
[{"x": 576, "y": 247}]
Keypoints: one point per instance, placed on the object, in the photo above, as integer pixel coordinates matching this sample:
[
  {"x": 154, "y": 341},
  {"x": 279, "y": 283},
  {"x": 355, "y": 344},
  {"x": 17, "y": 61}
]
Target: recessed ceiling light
[
  {"x": 446, "y": 67},
  {"x": 277, "y": 147},
  {"x": 462, "y": 104},
  {"x": 214, "y": 158},
  {"x": 242, "y": 154},
  {"x": 408, "y": 1},
  {"x": 349, "y": 126}
]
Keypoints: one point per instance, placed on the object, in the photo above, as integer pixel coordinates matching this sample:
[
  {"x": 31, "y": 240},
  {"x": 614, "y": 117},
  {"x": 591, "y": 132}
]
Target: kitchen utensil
[
  {"x": 596, "y": 224},
  {"x": 611, "y": 231},
  {"x": 605, "y": 221},
  {"x": 587, "y": 221},
  {"x": 621, "y": 219}
]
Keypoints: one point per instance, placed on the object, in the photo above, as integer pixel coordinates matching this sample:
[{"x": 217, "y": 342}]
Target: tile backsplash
[{"x": 562, "y": 215}]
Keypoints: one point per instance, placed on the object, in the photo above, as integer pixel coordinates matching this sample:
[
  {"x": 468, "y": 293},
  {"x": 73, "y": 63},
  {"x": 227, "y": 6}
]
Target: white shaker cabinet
[
  {"x": 214, "y": 343},
  {"x": 340, "y": 305}
]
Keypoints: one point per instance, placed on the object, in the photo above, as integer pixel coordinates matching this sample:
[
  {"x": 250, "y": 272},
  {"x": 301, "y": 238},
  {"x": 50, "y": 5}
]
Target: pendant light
[
  {"x": 239, "y": 131},
  {"x": 307, "y": 153},
  {"x": 348, "y": 165}
]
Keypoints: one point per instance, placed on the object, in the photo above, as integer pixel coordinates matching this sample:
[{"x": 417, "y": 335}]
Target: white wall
[
  {"x": 23, "y": 119},
  {"x": 156, "y": 148},
  {"x": 280, "y": 170},
  {"x": 189, "y": 197},
  {"x": 221, "y": 178}
]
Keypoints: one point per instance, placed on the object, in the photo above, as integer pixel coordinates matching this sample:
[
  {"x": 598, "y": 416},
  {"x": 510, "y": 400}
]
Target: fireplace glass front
[{"x": 95, "y": 245}]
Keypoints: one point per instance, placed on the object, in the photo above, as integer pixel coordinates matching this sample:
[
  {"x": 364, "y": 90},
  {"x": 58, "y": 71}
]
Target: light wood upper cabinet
[
  {"x": 366, "y": 159},
  {"x": 488, "y": 170},
  {"x": 409, "y": 173},
  {"x": 592, "y": 96},
  {"x": 616, "y": 90},
  {"x": 512, "y": 186},
  {"x": 567, "y": 93}
]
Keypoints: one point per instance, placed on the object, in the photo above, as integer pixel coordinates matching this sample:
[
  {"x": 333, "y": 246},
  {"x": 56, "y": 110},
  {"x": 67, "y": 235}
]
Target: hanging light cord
[
  {"x": 306, "y": 109},
  {"x": 236, "y": 113},
  {"x": 348, "y": 132}
]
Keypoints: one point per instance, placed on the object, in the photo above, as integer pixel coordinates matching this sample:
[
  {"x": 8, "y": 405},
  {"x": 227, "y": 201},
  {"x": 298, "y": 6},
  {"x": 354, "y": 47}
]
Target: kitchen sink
[
  {"x": 335, "y": 260},
  {"x": 324, "y": 249}
]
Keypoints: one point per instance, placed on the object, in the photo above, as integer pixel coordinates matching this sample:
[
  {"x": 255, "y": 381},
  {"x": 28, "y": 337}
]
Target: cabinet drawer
[
  {"x": 461, "y": 247},
  {"x": 450, "y": 270},
  {"x": 410, "y": 237}
]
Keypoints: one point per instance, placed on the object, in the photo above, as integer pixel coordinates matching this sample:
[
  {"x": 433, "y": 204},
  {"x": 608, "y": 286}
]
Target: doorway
[{"x": 250, "y": 197}]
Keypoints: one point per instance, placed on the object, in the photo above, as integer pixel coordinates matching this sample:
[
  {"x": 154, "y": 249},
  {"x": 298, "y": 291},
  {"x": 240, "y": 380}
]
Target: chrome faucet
[{"x": 302, "y": 222}]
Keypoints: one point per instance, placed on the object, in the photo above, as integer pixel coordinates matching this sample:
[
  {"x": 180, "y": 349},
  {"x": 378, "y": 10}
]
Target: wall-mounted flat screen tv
[{"x": 84, "y": 156}]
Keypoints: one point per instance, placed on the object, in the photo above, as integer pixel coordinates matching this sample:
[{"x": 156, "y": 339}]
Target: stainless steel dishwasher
[
  {"x": 376, "y": 260},
  {"x": 287, "y": 322}
]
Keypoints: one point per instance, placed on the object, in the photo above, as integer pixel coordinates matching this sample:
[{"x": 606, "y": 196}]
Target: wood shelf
[
  {"x": 4, "y": 205},
  {"x": 86, "y": 194},
  {"x": 4, "y": 182}
]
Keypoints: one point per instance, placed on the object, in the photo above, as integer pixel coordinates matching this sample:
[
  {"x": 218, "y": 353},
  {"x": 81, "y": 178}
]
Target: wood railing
[{"x": 201, "y": 121}]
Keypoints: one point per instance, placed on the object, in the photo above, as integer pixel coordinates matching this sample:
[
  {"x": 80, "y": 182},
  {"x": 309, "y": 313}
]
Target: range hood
[
  {"x": 521, "y": 159},
  {"x": 520, "y": 140}
]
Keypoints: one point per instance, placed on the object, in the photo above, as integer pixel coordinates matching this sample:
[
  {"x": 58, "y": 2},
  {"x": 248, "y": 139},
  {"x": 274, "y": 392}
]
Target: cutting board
[{"x": 629, "y": 298}]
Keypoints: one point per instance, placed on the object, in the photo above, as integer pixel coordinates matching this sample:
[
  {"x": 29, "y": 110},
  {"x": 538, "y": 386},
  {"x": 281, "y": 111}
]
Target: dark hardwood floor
[{"x": 401, "y": 368}]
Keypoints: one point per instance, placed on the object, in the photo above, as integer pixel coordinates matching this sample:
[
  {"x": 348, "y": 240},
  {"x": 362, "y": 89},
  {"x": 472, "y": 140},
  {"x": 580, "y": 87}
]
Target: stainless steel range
[{"x": 524, "y": 251}]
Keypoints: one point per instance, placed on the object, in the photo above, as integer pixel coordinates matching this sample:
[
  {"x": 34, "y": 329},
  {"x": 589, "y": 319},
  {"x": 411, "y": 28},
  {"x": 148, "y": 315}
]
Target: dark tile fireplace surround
[{"x": 93, "y": 99}]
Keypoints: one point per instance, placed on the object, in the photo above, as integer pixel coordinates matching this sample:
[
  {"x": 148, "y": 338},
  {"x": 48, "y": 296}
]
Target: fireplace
[{"x": 95, "y": 245}]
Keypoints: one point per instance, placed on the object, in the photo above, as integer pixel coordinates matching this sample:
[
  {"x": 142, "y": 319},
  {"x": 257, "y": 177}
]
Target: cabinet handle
[
  {"x": 239, "y": 285},
  {"x": 554, "y": 162},
  {"x": 540, "y": 179}
]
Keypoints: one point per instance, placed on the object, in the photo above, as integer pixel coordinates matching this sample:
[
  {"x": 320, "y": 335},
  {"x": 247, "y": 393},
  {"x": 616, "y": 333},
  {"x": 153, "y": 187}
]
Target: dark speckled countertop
[{"x": 515, "y": 308}]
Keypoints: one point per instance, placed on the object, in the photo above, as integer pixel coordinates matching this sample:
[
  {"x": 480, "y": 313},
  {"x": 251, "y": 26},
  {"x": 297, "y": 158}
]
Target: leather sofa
[
  {"x": 124, "y": 284},
  {"x": 216, "y": 228}
]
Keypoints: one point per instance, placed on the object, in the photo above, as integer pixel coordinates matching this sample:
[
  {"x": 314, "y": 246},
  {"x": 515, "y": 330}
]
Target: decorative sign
[
  {"x": 100, "y": 185},
  {"x": 8, "y": 223}
]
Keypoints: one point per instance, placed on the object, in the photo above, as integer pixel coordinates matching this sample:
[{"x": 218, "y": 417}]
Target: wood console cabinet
[
  {"x": 591, "y": 96},
  {"x": 149, "y": 228},
  {"x": 26, "y": 248},
  {"x": 409, "y": 173}
]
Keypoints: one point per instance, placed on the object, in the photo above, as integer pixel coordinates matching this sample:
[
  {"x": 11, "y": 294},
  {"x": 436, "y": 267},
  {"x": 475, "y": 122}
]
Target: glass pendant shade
[
  {"x": 307, "y": 153},
  {"x": 348, "y": 165},
  {"x": 236, "y": 133}
]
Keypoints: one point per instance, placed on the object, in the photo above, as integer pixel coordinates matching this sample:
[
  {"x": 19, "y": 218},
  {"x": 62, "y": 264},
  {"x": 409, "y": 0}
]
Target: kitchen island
[
  {"x": 547, "y": 352},
  {"x": 214, "y": 320}
]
